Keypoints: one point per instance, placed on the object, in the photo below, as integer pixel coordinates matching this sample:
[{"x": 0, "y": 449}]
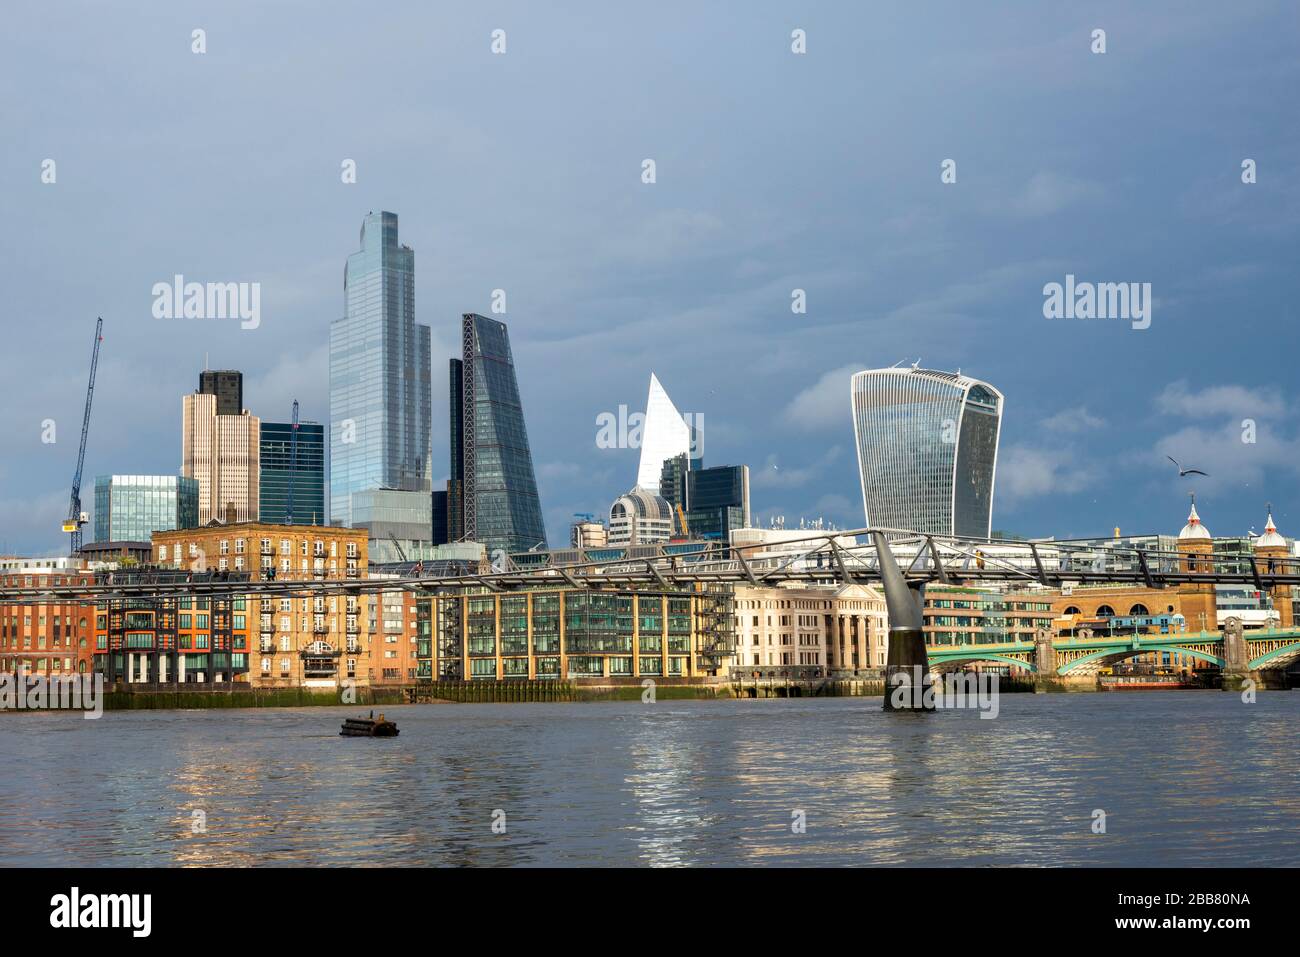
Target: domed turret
[
  {"x": 1194, "y": 530},
  {"x": 1270, "y": 538}
]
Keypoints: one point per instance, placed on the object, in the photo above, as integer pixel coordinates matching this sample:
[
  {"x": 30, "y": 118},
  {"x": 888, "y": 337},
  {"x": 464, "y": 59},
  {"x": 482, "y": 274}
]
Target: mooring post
[{"x": 907, "y": 666}]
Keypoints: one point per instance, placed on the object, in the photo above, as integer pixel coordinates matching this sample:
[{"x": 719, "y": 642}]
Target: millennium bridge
[{"x": 902, "y": 562}]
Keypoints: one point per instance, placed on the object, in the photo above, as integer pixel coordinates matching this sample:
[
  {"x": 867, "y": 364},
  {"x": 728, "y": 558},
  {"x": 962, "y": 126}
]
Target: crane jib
[{"x": 77, "y": 518}]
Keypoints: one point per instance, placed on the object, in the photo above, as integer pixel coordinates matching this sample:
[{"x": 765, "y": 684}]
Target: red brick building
[{"x": 46, "y": 638}]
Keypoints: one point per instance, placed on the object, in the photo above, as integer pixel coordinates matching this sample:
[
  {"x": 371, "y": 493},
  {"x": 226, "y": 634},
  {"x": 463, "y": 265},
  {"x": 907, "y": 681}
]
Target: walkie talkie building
[{"x": 927, "y": 449}]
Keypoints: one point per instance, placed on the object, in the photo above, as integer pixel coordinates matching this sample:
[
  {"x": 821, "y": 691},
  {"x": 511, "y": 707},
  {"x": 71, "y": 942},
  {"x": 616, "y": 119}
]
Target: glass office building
[
  {"x": 493, "y": 489},
  {"x": 282, "y": 470},
  {"x": 717, "y": 501},
  {"x": 927, "y": 446},
  {"x": 665, "y": 435},
  {"x": 130, "y": 508},
  {"x": 380, "y": 399}
]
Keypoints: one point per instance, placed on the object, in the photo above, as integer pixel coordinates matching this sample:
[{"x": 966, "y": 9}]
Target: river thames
[{"x": 1183, "y": 779}]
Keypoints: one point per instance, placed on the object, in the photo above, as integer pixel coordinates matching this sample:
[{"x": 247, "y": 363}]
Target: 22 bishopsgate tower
[
  {"x": 927, "y": 449},
  {"x": 380, "y": 400}
]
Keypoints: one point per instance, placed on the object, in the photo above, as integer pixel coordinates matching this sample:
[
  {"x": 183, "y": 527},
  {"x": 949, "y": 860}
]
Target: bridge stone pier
[
  {"x": 907, "y": 666},
  {"x": 1045, "y": 662},
  {"x": 1236, "y": 656}
]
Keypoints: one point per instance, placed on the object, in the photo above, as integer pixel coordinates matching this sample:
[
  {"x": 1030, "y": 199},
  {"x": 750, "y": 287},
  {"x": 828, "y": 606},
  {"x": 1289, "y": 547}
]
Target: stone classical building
[{"x": 809, "y": 629}]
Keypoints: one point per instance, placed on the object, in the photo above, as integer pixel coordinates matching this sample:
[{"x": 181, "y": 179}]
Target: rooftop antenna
[{"x": 293, "y": 465}]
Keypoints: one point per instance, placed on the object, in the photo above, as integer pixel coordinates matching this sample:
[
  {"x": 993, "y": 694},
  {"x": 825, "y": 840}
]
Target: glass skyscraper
[
  {"x": 130, "y": 508},
  {"x": 380, "y": 399},
  {"x": 927, "y": 449},
  {"x": 308, "y": 477},
  {"x": 717, "y": 501},
  {"x": 665, "y": 435},
  {"x": 493, "y": 490}
]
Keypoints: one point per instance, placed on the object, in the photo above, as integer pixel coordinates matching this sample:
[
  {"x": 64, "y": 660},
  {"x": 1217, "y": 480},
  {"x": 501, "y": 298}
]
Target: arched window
[
  {"x": 1105, "y": 611},
  {"x": 1072, "y": 610},
  {"x": 1139, "y": 609}
]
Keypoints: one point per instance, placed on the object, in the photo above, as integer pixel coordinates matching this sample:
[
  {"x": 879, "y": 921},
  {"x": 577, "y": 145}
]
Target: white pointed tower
[{"x": 664, "y": 436}]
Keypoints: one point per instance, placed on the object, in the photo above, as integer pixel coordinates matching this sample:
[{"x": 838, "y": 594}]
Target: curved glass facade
[
  {"x": 492, "y": 475},
  {"x": 927, "y": 446}
]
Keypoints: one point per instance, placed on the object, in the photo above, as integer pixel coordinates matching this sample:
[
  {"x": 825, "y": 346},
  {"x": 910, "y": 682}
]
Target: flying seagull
[{"x": 1182, "y": 471}]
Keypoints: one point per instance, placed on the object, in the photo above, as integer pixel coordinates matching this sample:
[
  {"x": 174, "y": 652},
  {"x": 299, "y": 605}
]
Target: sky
[{"x": 774, "y": 171}]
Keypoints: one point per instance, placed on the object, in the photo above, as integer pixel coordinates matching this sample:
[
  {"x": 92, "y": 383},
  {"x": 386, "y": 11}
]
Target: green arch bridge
[{"x": 1268, "y": 649}]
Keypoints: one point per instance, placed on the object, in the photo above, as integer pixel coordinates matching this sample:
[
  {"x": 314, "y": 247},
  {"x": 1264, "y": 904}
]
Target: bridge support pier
[
  {"x": 1236, "y": 657},
  {"x": 907, "y": 666},
  {"x": 1045, "y": 678}
]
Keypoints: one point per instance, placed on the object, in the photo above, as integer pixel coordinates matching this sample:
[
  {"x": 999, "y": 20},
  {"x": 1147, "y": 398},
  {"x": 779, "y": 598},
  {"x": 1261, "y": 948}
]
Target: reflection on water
[{"x": 1185, "y": 779}]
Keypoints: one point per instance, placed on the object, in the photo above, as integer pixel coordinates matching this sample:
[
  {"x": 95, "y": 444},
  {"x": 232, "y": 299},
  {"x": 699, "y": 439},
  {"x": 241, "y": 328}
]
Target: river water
[{"x": 1183, "y": 779}]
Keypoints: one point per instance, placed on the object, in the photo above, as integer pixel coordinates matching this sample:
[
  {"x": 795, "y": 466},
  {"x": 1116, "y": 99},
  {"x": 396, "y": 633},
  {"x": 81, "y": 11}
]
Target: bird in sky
[{"x": 1182, "y": 471}]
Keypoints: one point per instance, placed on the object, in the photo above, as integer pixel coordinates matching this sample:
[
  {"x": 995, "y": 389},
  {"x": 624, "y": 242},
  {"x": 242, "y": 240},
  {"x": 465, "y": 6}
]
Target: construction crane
[
  {"x": 293, "y": 462},
  {"x": 400, "y": 554},
  {"x": 686, "y": 529},
  {"x": 76, "y": 517}
]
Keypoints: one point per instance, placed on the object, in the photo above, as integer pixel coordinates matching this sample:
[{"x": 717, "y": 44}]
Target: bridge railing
[{"x": 821, "y": 555}]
